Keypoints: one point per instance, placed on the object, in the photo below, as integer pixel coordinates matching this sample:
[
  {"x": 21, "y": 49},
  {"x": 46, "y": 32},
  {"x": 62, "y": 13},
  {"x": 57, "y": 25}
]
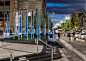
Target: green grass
[{"x": 24, "y": 38}]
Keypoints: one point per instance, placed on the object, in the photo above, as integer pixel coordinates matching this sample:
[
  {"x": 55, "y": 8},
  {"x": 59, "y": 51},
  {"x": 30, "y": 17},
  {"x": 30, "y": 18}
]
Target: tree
[
  {"x": 43, "y": 16},
  {"x": 76, "y": 20},
  {"x": 84, "y": 18},
  {"x": 67, "y": 25},
  {"x": 62, "y": 27}
]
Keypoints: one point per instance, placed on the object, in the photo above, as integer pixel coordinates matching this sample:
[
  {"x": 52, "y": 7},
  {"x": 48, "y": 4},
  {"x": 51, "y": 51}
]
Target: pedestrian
[
  {"x": 58, "y": 35},
  {"x": 69, "y": 36},
  {"x": 74, "y": 35}
]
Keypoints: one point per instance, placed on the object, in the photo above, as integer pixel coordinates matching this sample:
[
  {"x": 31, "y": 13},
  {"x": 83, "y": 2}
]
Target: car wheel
[{"x": 85, "y": 39}]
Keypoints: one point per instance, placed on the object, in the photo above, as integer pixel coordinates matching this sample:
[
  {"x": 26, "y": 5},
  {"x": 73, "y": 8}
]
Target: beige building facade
[{"x": 8, "y": 6}]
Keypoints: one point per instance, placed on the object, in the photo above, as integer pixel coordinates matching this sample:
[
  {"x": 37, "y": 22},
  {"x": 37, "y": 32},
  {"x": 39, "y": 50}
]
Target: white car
[
  {"x": 76, "y": 35},
  {"x": 82, "y": 36},
  {"x": 79, "y": 35}
]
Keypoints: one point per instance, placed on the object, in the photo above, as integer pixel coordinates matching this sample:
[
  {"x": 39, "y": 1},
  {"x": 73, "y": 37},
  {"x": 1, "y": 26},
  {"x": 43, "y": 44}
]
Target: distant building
[{"x": 7, "y": 6}]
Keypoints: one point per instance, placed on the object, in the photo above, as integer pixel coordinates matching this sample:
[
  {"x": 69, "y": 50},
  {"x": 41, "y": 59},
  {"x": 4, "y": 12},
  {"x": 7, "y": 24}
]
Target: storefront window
[
  {"x": 1, "y": 22},
  {"x": 7, "y": 4},
  {"x": 1, "y": 13},
  {"x": 1, "y": 4},
  {"x": 6, "y": 22}
]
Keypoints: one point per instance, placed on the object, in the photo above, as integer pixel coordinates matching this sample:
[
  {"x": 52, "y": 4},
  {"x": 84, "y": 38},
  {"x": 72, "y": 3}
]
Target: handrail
[
  {"x": 51, "y": 50},
  {"x": 47, "y": 44}
]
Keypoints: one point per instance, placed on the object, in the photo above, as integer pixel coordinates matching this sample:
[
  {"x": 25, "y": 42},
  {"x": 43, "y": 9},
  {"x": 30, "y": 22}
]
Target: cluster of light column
[{"x": 32, "y": 25}]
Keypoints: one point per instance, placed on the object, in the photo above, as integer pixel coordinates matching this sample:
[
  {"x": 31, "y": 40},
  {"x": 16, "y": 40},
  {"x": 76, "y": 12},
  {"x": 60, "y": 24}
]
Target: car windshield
[
  {"x": 83, "y": 34},
  {"x": 77, "y": 33}
]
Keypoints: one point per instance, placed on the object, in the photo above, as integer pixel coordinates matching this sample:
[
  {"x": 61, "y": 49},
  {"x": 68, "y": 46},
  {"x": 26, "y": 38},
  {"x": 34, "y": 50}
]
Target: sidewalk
[
  {"x": 79, "y": 45},
  {"x": 76, "y": 46}
]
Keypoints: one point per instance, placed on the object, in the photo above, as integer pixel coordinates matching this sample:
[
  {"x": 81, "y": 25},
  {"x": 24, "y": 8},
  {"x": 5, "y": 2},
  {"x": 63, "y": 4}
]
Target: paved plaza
[{"x": 18, "y": 49}]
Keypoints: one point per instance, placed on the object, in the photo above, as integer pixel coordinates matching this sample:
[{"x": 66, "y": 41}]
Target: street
[{"x": 73, "y": 50}]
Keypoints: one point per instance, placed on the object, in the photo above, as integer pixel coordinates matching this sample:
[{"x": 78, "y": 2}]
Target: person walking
[
  {"x": 69, "y": 36},
  {"x": 58, "y": 35},
  {"x": 74, "y": 35}
]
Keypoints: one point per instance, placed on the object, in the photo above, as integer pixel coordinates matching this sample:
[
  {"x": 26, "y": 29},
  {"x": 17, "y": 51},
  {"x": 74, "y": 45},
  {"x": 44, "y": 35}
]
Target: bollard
[
  {"x": 37, "y": 46},
  {"x": 52, "y": 54},
  {"x": 11, "y": 57},
  {"x": 35, "y": 41}
]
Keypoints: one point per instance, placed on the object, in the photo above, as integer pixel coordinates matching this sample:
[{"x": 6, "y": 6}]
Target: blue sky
[{"x": 63, "y": 8}]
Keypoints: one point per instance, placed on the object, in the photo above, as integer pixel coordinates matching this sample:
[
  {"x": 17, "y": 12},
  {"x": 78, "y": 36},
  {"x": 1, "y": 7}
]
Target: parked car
[
  {"x": 77, "y": 34},
  {"x": 83, "y": 36}
]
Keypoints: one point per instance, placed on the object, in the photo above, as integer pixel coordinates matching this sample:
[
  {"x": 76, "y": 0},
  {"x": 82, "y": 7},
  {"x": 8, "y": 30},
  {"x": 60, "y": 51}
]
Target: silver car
[
  {"x": 82, "y": 36},
  {"x": 77, "y": 35}
]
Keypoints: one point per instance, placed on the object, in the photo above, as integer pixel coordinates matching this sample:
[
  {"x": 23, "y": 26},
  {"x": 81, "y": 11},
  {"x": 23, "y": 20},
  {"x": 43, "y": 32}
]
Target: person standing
[
  {"x": 69, "y": 36},
  {"x": 58, "y": 35},
  {"x": 74, "y": 35}
]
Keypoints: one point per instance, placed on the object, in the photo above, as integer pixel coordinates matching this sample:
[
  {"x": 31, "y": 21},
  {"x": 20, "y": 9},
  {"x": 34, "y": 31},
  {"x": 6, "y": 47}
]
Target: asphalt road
[{"x": 67, "y": 50}]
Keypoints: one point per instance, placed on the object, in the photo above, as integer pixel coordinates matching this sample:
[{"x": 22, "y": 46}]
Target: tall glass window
[
  {"x": 7, "y": 4},
  {"x": 1, "y": 4},
  {"x": 1, "y": 14},
  {"x": 6, "y": 22},
  {"x": 6, "y": 12}
]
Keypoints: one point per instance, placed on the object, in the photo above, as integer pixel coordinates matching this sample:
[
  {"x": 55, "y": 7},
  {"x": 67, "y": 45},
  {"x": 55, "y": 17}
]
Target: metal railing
[
  {"x": 11, "y": 53},
  {"x": 47, "y": 45}
]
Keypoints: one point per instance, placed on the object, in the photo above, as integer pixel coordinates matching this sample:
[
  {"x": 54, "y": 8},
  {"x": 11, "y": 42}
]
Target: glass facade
[
  {"x": 4, "y": 10},
  {"x": 1, "y": 4},
  {"x": 1, "y": 13},
  {"x": 7, "y": 4}
]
